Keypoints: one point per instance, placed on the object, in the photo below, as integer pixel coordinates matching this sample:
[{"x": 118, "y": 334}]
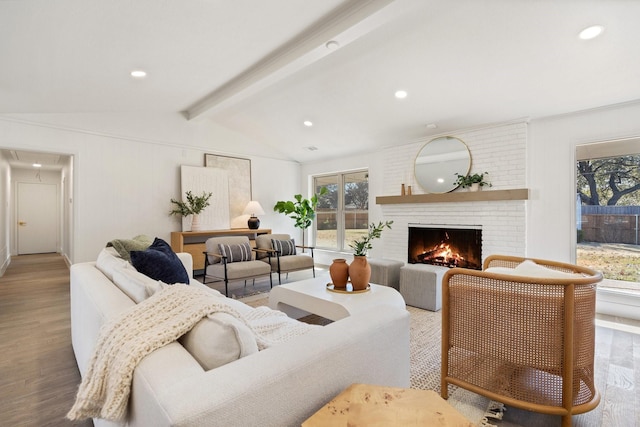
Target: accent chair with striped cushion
[
  {"x": 284, "y": 258},
  {"x": 231, "y": 258}
]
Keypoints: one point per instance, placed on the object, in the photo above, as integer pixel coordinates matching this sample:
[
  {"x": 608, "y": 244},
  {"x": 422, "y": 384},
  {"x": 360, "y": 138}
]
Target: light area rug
[{"x": 425, "y": 350}]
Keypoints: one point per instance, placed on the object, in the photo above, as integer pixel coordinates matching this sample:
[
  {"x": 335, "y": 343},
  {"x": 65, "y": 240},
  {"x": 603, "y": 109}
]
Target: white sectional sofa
[{"x": 280, "y": 386}]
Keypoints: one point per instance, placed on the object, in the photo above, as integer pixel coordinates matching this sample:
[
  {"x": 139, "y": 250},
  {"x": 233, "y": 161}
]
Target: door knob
[{"x": 22, "y": 223}]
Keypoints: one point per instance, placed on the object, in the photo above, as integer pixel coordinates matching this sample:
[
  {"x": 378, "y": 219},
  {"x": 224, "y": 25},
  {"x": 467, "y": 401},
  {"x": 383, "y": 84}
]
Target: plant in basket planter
[
  {"x": 193, "y": 206},
  {"x": 473, "y": 182},
  {"x": 360, "y": 270}
]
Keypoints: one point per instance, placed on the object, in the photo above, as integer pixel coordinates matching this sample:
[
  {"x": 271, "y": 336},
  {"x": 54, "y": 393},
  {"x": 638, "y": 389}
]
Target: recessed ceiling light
[
  {"x": 401, "y": 94},
  {"x": 432, "y": 126},
  {"x": 138, "y": 74},
  {"x": 308, "y": 123},
  {"x": 591, "y": 32},
  {"x": 332, "y": 45},
  {"x": 37, "y": 165}
]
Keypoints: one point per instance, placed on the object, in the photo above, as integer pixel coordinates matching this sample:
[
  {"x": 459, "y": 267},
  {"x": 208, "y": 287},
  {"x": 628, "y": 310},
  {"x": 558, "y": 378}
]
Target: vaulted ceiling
[{"x": 262, "y": 68}]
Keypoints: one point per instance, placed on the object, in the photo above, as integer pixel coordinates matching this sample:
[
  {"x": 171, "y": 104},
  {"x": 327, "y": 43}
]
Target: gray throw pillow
[
  {"x": 284, "y": 247},
  {"x": 236, "y": 253},
  {"x": 125, "y": 246}
]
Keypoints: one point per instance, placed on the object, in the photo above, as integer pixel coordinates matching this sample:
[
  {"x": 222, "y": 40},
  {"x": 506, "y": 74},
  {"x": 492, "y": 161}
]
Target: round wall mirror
[{"x": 438, "y": 162}]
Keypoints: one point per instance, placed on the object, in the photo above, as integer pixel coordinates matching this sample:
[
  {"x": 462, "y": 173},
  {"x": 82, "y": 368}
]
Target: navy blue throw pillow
[{"x": 159, "y": 262}]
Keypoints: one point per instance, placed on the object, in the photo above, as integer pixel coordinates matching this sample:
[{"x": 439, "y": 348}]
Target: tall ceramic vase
[
  {"x": 360, "y": 273},
  {"x": 339, "y": 272},
  {"x": 195, "y": 222}
]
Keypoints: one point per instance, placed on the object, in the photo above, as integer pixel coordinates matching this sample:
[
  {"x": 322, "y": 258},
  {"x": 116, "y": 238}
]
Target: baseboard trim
[
  {"x": 615, "y": 302},
  {"x": 4, "y": 266},
  {"x": 66, "y": 260}
]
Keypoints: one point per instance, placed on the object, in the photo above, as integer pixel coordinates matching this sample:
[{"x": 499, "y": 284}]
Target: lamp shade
[{"x": 253, "y": 208}]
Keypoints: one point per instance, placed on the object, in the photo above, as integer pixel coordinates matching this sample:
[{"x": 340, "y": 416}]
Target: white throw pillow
[
  {"x": 108, "y": 261},
  {"x": 134, "y": 284},
  {"x": 501, "y": 270},
  {"x": 218, "y": 340},
  {"x": 529, "y": 268},
  {"x": 155, "y": 286}
]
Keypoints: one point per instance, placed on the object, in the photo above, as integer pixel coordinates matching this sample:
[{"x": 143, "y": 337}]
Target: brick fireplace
[{"x": 500, "y": 150}]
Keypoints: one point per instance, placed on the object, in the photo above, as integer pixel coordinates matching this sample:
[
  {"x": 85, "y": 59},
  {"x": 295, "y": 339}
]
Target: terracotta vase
[
  {"x": 339, "y": 272},
  {"x": 360, "y": 273}
]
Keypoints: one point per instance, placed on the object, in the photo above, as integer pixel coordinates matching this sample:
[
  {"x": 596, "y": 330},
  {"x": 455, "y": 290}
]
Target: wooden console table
[{"x": 193, "y": 242}]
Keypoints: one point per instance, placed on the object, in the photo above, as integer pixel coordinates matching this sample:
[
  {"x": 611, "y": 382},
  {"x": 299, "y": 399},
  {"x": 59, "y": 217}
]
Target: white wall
[
  {"x": 545, "y": 165},
  {"x": 126, "y": 168},
  {"x": 5, "y": 192},
  {"x": 498, "y": 149},
  {"x": 66, "y": 183},
  {"x": 124, "y": 177},
  {"x": 551, "y": 167}
]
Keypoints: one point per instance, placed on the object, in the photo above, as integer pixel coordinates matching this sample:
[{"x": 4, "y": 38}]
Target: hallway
[{"x": 38, "y": 372}]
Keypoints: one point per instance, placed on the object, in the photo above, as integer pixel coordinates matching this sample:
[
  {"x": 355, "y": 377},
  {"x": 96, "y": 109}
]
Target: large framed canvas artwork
[{"x": 238, "y": 171}]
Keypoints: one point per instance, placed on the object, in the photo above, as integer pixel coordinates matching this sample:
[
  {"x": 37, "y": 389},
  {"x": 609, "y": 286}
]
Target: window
[
  {"x": 608, "y": 211},
  {"x": 342, "y": 213}
]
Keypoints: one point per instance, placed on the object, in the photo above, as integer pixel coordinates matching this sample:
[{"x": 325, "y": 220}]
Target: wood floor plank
[{"x": 38, "y": 373}]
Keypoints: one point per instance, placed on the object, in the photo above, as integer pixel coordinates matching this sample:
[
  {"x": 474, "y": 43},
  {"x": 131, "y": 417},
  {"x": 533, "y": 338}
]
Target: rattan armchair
[{"x": 524, "y": 341}]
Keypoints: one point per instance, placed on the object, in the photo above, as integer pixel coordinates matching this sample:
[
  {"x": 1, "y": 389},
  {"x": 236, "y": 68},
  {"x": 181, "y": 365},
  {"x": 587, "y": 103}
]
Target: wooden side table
[{"x": 364, "y": 405}]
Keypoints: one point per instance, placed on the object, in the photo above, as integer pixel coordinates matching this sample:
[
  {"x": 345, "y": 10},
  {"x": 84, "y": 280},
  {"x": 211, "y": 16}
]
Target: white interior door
[{"x": 38, "y": 218}]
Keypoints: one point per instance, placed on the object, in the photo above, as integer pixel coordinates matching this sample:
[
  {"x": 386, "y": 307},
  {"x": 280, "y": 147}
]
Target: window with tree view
[
  {"x": 608, "y": 211},
  {"x": 342, "y": 214}
]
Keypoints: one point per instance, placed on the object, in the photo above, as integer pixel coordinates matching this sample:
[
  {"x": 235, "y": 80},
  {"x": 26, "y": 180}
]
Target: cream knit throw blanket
[{"x": 151, "y": 324}]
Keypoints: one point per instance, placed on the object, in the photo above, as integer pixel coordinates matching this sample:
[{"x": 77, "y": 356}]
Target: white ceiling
[
  {"x": 26, "y": 159},
  {"x": 261, "y": 68}
]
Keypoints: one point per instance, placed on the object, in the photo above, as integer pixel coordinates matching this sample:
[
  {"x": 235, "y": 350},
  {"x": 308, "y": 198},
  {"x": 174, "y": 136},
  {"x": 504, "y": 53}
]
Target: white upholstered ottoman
[
  {"x": 421, "y": 285},
  {"x": 385, "y": 272}
]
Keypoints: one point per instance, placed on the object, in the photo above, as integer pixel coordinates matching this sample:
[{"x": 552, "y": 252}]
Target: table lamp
[{"x": 253, "y": 208}]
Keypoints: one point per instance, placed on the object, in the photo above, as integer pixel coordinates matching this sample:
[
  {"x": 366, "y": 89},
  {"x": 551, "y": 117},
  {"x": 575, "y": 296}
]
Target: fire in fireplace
[{"x": 445, "y": 245}]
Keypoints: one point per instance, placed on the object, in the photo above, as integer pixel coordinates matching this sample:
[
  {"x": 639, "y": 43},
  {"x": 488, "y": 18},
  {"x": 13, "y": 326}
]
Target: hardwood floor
[
  {"x": 617, "y": 372},
  {"x": 39, "y": 376},
  {"x": 38, "y": 371}
]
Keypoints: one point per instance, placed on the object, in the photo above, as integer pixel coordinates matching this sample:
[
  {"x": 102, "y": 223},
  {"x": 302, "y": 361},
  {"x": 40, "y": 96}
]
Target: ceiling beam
[{"x": 344, "y": 25}]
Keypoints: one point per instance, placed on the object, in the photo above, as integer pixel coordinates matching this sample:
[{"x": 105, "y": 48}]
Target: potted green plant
[
  {"x": 472, "y": 182},
  {"x": 303, "y": 211},
  {"x": 193, "y": 206},
  {"x": 360, "y": 270}
]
